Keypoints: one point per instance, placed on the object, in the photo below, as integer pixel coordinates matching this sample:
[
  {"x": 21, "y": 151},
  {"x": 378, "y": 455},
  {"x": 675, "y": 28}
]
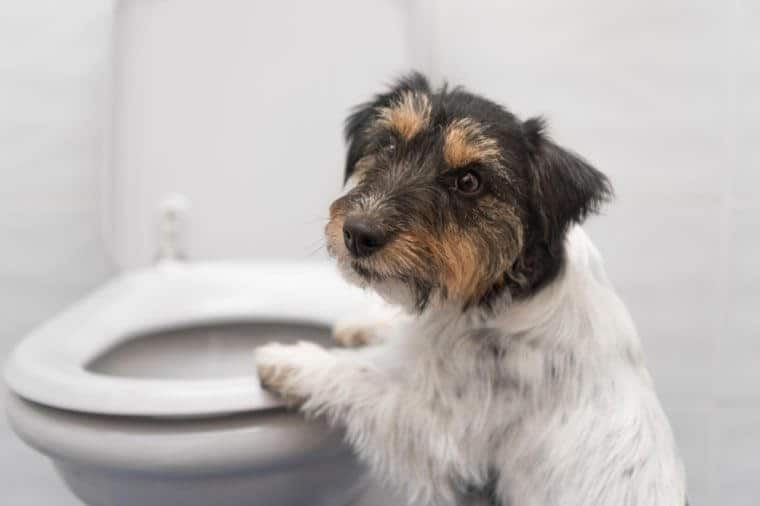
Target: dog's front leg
[
  {"x": 295, "y": 372},
  {"x": 318, "y": 379},
  {"x": 337, "y": 382},
  {"x": 385, "y": 418}
]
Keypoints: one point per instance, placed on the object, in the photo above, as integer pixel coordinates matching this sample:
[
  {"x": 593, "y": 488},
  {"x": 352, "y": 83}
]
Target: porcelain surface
[{"x": 267, "y": 458}]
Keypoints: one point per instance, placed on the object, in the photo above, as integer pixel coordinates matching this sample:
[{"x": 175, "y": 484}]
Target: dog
[{"x": 512, "y": 374}]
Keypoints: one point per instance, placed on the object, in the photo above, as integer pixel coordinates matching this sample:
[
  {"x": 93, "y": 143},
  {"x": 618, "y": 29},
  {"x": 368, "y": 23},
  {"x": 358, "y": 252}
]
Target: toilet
[{"x": 145, "y": 391}]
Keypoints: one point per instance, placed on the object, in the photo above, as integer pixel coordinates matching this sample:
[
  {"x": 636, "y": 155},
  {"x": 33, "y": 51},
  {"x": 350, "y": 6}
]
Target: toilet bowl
[{"x": 145, "y": 392}]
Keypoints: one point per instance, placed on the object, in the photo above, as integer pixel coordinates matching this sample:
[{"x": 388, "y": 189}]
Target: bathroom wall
[
  {"x": 208, "y": 97},
  {"x": 54, "y": 67},
  {"x": 242, "y": 113}
]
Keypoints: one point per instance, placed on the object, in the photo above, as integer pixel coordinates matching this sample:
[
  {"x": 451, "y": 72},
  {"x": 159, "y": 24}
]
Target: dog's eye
[
  {"x": 468, "y": 183},
  {"x": 390, "y": 146}
]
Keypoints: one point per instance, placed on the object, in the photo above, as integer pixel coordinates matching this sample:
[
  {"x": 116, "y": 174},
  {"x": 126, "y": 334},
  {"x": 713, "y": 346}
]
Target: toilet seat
[{"x": 49, "y": 366}]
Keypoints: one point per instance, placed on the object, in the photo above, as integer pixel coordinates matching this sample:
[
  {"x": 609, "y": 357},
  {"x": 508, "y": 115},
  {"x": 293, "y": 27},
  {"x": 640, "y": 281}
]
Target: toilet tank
[{"x": 238, "y": 107}]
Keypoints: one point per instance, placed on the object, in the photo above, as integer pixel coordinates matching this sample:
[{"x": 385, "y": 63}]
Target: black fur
[
  {"x": 363, "y": 114},
  {"x": 565, "y": 190}
]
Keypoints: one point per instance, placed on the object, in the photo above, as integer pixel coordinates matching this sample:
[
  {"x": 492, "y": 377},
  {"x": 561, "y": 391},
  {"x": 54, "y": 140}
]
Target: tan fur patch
[
  {"x": 403, "y": 255},
  {"x": 454, "y": 258},
  {"x": 334, "y": 230},
  {"x": 463, "y": 270},
  {"x": 354, "y": 336},
  {"x": 275, "y": 379},
  {"x": 408, "y": 115},
  {"x": 466, "y": 274},
  {"x": 457, "y": 262},
  {"x": 465, "y": 143}
]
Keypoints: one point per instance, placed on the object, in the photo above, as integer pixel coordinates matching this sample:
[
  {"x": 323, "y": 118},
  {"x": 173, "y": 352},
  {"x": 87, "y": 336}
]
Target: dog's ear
[
  {"x": 364, "y": 114},
  {"x": 566, "y": 187}
]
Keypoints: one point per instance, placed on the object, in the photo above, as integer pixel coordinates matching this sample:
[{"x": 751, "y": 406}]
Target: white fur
[{"x": 544, "y": 403}]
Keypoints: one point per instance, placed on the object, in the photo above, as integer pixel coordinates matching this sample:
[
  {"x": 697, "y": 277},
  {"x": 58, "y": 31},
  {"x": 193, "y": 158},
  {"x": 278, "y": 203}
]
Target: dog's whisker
[
  {"x": 313, "y": 220},
  {"x": 318, "y": 249}
]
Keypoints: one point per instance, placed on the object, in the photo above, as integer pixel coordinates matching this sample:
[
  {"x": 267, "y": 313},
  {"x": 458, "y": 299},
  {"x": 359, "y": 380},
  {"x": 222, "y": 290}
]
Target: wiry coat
[
  {"x": 546, "y": 402},
  {"x": 512, "y": 394}
]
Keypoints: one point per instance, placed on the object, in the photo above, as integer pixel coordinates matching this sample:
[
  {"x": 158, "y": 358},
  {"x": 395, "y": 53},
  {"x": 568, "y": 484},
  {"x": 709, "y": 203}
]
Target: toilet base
[
  {"x": 265, "y": 458},
  {"x": 103, "y": 487}
]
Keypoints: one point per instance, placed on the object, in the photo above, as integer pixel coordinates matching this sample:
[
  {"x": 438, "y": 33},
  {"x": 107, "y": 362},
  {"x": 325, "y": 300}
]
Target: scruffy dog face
[{"x": 452, "y": 198}]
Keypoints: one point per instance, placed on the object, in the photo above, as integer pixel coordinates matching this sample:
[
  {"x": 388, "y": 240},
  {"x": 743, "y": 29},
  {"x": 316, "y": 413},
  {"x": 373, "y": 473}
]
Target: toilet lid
[{"x": 50, "y": 365}]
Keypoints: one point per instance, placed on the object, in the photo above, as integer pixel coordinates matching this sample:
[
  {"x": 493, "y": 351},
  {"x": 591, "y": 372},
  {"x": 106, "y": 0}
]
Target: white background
[{"x": 239, "y": 105}]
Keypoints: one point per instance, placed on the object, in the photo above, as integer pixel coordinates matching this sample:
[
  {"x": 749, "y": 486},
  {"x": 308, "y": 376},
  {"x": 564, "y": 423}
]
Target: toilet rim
[{"x": 48, "y": 366}]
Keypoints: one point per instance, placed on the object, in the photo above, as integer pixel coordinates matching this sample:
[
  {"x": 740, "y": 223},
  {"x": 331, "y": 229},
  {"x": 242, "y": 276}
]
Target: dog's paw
[
  {"x": 287, "y": 370},
  {"x": 354, "y": 336},
  {"x": 273, "y": 367}
]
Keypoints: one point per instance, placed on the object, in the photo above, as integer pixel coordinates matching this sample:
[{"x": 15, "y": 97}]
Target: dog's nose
[{"x": 362, "y": 237}]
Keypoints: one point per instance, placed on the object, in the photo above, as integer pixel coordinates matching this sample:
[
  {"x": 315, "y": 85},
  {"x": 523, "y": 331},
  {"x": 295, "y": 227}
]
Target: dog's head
[{"x": 451, "y": 198}]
